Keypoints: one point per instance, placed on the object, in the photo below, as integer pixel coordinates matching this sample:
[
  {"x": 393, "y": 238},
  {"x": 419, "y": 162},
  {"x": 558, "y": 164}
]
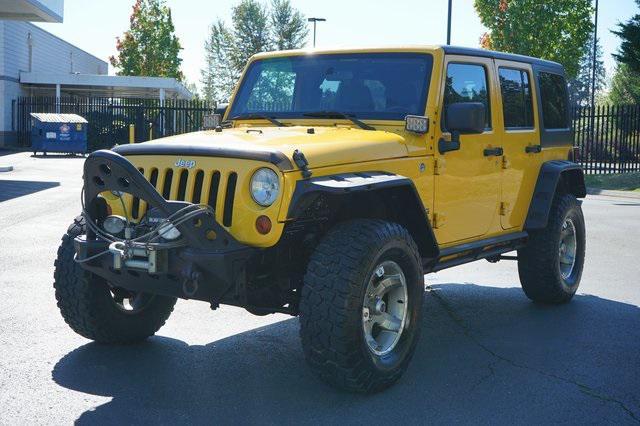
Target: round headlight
[
  {"x": 114, "y": 224},
  {"x": 265, "y": 187}
]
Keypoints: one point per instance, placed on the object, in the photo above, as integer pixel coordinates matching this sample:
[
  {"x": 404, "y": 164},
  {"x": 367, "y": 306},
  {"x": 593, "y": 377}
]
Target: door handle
[
  {"x": 493, "y": 152},
  {"x": 533, "y": 149}
]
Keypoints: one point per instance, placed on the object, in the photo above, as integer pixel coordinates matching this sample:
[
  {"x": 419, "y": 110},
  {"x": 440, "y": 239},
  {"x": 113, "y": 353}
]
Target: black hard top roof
[{"x": 470, "y": 51}]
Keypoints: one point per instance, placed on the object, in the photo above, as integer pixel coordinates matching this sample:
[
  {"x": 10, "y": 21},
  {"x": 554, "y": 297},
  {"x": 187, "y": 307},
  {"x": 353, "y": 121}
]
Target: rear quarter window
[{"x": 553, "y": 97}]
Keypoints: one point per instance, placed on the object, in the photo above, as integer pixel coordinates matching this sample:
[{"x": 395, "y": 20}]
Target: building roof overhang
[
  {"x": 32, "y": 10},
  {"x": 108, "y": 85}
]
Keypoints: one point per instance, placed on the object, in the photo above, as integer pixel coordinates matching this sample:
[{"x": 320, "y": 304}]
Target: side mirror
[
  {"x": 462, "y": 117},
  {"x": 466, "y": 117}
]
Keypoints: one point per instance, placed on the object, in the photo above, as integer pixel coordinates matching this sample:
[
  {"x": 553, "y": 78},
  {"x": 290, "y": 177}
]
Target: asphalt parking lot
[{"x": 487, "y": 355}]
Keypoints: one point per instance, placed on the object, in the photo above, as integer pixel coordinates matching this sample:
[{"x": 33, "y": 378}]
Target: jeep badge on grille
[{"x": 187, "y": 164}]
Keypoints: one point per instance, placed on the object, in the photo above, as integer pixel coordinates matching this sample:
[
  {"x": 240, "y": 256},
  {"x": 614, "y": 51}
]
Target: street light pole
[
  {"x": 314, "y": 20},
  {"x": 449, "y": 24},
  {"x": 594, "y": 59}
]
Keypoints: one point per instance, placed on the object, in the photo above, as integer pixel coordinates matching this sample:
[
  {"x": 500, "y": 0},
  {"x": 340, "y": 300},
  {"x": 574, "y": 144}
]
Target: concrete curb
[
  {"x": 617, "y": 194},
  {"x": 6, "y": 169}
]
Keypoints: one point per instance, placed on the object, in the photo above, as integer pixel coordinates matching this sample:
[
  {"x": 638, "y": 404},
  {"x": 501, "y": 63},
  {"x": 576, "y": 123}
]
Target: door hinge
[
  {"x": 505, "y": 162},
  {"x": 504, "y": 208},
  {"x": 438, "y": 220},
  {"x": 438, "y": 166}
]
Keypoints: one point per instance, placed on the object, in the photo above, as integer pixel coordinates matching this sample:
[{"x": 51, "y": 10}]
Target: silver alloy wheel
[
  {"x": 384, "y": 311},
  {"x": 567, "y": 248}
]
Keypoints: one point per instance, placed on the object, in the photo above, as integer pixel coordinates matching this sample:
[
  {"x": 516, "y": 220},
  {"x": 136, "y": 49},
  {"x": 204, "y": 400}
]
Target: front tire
[
  {"x": 361, "y": 305},
  {"x": 550, "y": 265},
  {"x": 98, "y": 311}
]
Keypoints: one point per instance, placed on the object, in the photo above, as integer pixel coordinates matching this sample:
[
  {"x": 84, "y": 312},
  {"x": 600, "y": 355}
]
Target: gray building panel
[
  {"x": 2, "y": 44},
  {"x": 25, "y": 47},
  {"x": 48, "y": 52}
]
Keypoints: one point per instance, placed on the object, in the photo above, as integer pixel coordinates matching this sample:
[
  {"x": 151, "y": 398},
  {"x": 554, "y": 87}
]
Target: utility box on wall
[{"x": 65, "y": 133}]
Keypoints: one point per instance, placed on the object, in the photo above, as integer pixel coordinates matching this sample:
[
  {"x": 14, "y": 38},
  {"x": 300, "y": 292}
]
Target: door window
[
  {"x": 467, "y": 83},
  {"x": 517, "y": 103}
]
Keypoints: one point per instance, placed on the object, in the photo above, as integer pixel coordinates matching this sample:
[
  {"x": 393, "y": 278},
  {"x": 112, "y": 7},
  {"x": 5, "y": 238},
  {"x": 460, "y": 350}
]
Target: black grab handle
[
  {"x": 493, "y": 152},
  {"x": 533, "y": 149}
]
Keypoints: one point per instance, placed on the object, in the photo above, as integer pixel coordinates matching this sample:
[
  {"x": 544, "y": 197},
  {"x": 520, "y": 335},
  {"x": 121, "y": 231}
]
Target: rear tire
[
  {"x": 361, "y": 305},
  {"x": 550, "y": 265},
  {"x": 96, "y": 310}
]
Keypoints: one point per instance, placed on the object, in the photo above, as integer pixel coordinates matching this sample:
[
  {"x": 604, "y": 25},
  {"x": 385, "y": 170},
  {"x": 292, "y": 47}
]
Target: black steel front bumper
[{"x": 212, "y": 270}]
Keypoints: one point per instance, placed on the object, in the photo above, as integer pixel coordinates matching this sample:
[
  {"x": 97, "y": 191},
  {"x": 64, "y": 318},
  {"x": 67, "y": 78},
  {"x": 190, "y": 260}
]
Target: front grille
[{"x": 213, "y": 187}]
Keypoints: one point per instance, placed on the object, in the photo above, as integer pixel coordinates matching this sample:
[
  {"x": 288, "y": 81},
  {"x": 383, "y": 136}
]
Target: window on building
[
  {"x": 553, "y": 95},
  {"x": 517, "y": 103},
  {"x": 467, "y": 83}
]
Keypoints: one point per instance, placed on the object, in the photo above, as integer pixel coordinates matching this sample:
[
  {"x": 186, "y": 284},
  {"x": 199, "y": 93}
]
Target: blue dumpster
[{"x": 58, "y": 133}]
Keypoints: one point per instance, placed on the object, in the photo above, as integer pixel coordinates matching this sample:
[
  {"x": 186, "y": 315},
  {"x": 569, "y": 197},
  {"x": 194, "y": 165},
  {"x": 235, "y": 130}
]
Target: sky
[{"x": 93, "y": 25}]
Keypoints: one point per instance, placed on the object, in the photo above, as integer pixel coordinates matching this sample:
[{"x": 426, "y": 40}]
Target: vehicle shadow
[
  {"x": 487, "y": 355},
  {"x": 10, "y": 189}
]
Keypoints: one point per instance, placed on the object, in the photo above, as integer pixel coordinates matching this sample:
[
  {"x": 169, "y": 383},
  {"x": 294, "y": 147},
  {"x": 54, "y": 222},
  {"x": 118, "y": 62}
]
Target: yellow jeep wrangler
[{"x": 334, "y": 181}]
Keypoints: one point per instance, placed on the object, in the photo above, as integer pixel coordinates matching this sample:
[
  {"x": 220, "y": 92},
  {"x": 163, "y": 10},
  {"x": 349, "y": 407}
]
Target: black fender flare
[
  {"x": 409, "y": 210},
  {"x": 553, "y": 174}
]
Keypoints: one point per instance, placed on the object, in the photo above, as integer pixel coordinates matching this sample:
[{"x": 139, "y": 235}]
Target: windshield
[{"x": 385, "y": 86}]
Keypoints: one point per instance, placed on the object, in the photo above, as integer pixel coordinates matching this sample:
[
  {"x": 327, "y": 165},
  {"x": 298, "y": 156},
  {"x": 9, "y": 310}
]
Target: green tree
[
  {"x": 580, "y": 87},
  {"x": 219, "y": 75},
  {"x": 554, "y": 30},
  {"x": 193, "y": 88},
  {"x": 625, "y": 86},
  {"x": 150, "y": 46},
  {"x": 251, "y": 32},
  {"x": 254, "y": 29},
  {"x": 629, "y": 50},
  {"x": 288, "y": 26}
]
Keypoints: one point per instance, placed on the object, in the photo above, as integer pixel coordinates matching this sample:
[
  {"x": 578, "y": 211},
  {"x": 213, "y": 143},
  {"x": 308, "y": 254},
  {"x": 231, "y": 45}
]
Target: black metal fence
[
  {"x": 110, "y": 118},
  {"x": 608, "y": 137}
]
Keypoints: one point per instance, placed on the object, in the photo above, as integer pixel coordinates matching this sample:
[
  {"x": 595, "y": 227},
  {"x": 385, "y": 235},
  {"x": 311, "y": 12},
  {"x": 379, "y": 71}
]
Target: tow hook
[
  {"x": 119, "y": 248},
  {"x": 190, "y": 279}
]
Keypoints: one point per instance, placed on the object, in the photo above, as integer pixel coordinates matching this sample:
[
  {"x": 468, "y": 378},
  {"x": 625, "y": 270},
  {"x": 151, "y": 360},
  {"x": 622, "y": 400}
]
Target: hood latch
[{"x": 302, "y": 163}]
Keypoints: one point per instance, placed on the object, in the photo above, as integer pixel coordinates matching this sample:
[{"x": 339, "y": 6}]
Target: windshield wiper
[
  {"x": 337, "y": 114},
  {"x": 272, "y": 120}
]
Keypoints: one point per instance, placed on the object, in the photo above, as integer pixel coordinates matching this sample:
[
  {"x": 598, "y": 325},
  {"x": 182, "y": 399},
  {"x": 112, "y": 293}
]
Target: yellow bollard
[{"x": 132, "y": 133}]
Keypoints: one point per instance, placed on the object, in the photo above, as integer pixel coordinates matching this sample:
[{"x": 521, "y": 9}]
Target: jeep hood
[{"x": 322, "y": 146}]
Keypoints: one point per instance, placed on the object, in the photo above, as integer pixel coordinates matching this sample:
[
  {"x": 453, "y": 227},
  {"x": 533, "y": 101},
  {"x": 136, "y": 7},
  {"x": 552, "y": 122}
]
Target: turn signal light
[{"x": 263, "y": 224}]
